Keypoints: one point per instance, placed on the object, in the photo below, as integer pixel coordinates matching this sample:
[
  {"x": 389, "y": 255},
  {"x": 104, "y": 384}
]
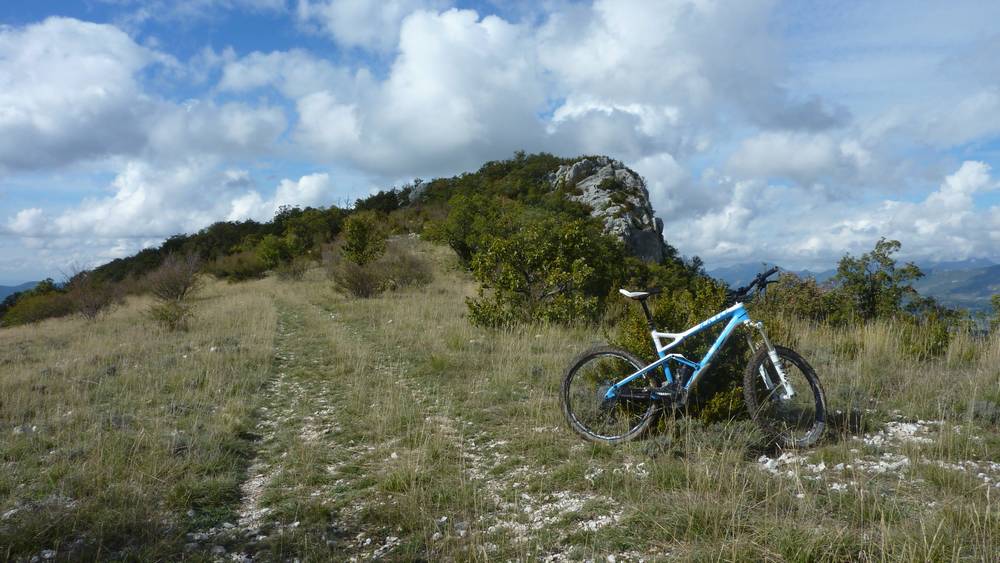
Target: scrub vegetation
[{"x": 382, "y": 383}]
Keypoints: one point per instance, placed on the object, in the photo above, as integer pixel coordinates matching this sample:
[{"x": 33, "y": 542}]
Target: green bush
[
  {"x": 551, "y": 269},
  {"x": 237, "y": 267},
  {"x": 34, "y": 308},
  {"x": 364, "y": 237},
  {"x": 678, "y": 310},
  {"x": 273, "y": 250},
  {"x": 171, "y": 315},
  {"x": 472, "y": 220},
  {"x": 398, "y": 268},
  {"x": 873, "y": 284},
  {"x": 926, "y": 338},
  {"x": 995, "y": 321}
]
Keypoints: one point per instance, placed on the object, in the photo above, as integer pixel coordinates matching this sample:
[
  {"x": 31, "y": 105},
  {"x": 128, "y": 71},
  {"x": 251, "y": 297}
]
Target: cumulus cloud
[
  {"x": 803, "y": 157},
  {"x": 311, "y": 190},
  {"x": 361, "y": 23},
  {"x": 68, "y": 91},
  {"x": 462, "y": 90},
  {"x": 150, "y": 202},
  {"x": 755, "y": 220},
  {"x": 294, "y": 73},
  {"x": 749, "y": 147}
]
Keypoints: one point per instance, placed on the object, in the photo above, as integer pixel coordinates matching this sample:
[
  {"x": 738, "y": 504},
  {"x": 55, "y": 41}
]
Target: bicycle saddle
[{"x": 640, "y": 295}]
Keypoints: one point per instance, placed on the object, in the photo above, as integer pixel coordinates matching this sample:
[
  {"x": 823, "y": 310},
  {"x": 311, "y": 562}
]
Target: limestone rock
[{"x": 618, "y": 197}]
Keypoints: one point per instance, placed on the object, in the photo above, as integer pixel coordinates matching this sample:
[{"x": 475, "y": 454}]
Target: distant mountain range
[
  {"x": 6, "y": 290},
  {"x": 967, "y": 284}
]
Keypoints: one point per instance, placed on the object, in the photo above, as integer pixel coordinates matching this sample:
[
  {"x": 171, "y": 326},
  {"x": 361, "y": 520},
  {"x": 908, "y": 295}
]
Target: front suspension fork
[{"x": 773, "y": 355}]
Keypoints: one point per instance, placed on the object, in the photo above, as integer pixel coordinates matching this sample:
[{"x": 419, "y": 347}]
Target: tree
[
  {"x": 551, "y": 269},
  {"x": 873, "y": 284},
  {"x": 273, "y": 250},
  {"x": 306, "y": 232},
  {"x": 90, "y": 295},
  {"x": 473, "y": 218},
  {"x": 171, "y": 284},
  {"x": 364, "y": 237}
]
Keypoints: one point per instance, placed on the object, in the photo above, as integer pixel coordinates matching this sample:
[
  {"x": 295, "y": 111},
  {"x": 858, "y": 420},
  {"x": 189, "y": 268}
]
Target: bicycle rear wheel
[
  {"x": 601, "y": 420},
  {"x": 796, "y": 421}
]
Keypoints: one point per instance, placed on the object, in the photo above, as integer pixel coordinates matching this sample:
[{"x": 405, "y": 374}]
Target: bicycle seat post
[{"x": 649, "y": 316}]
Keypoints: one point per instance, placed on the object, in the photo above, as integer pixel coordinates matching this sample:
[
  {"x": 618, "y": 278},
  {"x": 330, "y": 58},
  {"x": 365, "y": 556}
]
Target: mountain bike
[{"x": 610, "y": 396}]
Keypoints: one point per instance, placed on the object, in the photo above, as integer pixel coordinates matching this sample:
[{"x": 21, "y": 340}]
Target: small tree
[
  {"x": 175, "y": 279},
  {"x": 364, "y": 237},
  {"x": 472, "y": 219},
  {"x": 273, "y": 250},
  {"x": 552, "y": 269},
  {"x": 873, "y": 284},
  {"x": 171, "y": 284},
  {"x": 91, "y": 296}
]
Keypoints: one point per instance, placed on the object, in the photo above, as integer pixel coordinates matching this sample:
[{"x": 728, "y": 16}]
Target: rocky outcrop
[{"x": 618, "y": 197}]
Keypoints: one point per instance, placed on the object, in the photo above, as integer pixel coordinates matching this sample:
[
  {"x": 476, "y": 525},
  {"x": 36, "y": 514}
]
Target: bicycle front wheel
[
  {"x": 602, "y": 420},
  {"x": 795, "y": 421}
]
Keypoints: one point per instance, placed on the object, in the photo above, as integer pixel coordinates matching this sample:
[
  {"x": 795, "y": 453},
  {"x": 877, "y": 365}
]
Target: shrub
[
  {"x": 472, "y": 220},
  {"x": 90, "y": 296},
  {"x": 995, "y": 321},
  {"x": 294, "y": 270},
  {"x": 925, "y": 338},
  {"x": 273, "y": 250},
  {"x": 37, "y": 307},
  {"x": 359, "y": 281},
  {"x": 399, "y": 268},
  {"x": 677, "y": 310},
  {"x": 873, "y": 284},
  {"x": 175, "y": 279},
  {"x": 171, "y": 284},
  {"x": 172, "y": 315},
  {"x": 364, "y": 237},
  {"x": 237, "y": 267},
  {"x": 551, "y": 269}
]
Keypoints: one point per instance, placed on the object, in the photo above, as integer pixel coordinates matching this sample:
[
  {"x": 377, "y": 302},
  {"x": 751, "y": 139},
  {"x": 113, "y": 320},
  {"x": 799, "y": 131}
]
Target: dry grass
[
  {"x": 113, "y": 431},
  {"x": 392, "y": 428}
]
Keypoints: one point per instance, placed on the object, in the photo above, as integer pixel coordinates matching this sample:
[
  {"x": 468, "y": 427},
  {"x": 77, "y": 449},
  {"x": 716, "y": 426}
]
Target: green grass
[{"x": 324, "y": 428}]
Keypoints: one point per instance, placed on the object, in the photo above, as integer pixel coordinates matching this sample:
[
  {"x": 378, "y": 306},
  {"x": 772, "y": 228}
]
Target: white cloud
[
  {"x": 709, "y": 100},
  {"x": 362, "y": 23},
  {"x": 206, "y": 128},
  {"x": 294, "y": 73},
  {"x": 68, "y": 91},
  {"x": 804, "y": 157},
  {"x": 462, "y": 90},
  {"x": 757, "y": 221},
  {"x": 150, "y": 202}
]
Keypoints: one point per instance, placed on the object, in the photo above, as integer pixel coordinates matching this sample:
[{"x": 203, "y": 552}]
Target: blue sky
[{"x": 782, "y": 131}]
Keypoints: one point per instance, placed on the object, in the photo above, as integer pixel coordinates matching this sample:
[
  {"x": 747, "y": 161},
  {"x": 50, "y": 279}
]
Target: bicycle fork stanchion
[{"x": 773, "y": 355}]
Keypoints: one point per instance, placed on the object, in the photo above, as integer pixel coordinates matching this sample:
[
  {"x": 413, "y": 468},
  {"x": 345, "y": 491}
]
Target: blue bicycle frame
[{"x": 736, "y": 314}]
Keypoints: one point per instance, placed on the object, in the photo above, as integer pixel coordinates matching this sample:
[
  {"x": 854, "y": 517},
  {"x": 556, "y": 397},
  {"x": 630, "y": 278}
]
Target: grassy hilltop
[{"x": 294, "y": 421}]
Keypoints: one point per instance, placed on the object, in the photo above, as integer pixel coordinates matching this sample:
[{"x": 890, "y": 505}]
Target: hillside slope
[
  {"x": 970, "y": 288},
  {"x": 294, "y": 422}
]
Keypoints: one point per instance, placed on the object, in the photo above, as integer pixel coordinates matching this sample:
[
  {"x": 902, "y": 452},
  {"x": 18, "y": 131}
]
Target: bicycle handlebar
[{"x": 759, "y": 282}]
